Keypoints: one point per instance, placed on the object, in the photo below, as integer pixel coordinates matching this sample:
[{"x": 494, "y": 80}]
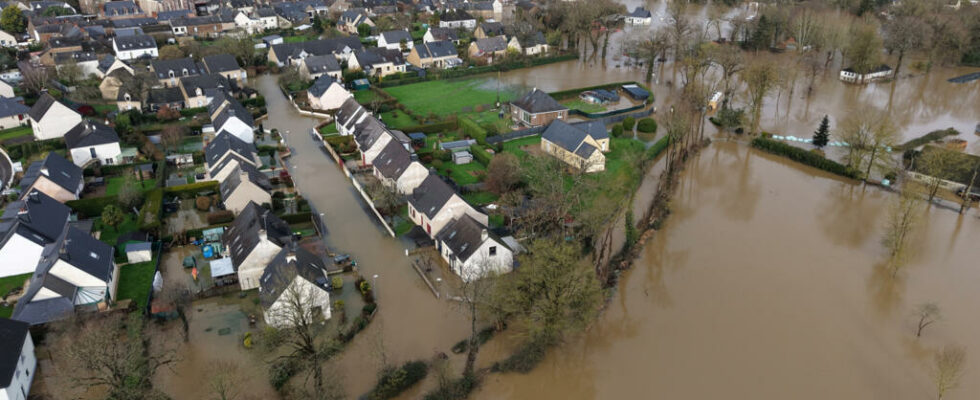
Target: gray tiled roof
[
  {"x": 397, "y": 36},
  {"x": 464, "y": 235},
  {"x": 221, "y": 63},
  {"x": 13, "y": 334},
  {"x": 233, "y": 110},
  {"x": 492, "y": 28},
  {"x": 41, "y": 106},
  {"x": 163, "y": 68},
  {"x": 226, "y": 142},
  {"x": 571, "y": 138},
  {"x": 321, "y": 85},
  {"x": 317, "y": 47},
  {"x": 160, "y": 96},
  {"x": 429, "y": 197},
  {"x": 136, "y": 42},
  {"x": 443, "y": 33},
  {"x": 377, "y": 55},
  {"x": 90, "y": 133},
  {"x": 243, "y": 172},
  {"x": 243, "y": 234},
  {"x": 491, "y": 44},
  {"x": 283, "y": 269},
  {"x": 37, "y": 217},
  {"x": 537, "y": 101},
  {"x": 324, "y": 63},
  {"x": 393, "y": 160},
  {"x": 57, "y": 169},
  {"x": 442, "y": 48},
  {"x": 10, "y": 107}
]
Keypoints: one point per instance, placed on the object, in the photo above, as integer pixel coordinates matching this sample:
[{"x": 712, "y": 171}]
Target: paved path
[{"x": 6, "y": 171}]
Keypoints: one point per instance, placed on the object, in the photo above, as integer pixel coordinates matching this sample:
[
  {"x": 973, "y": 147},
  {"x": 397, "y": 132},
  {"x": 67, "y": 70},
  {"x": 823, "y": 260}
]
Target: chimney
[
  {"x": 243, "y": 175},
  {"x": 263, "y": 236},
  {"x": 63, "y": 250},
  {"x": 33, "y": 196},
  {"x": 484, "y": 235},
  {"x": 44, "y": 171},
  {"x": 291, "y": 255}
]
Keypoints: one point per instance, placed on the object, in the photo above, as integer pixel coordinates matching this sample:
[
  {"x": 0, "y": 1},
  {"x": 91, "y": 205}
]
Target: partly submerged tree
[
  {"x": 948, "y": 368},
  {"x": 939, "y": 164},
  {"x": 902, "y": 218},
  {"x": 927, "y": 314},
  {"x": 760, "y": 79}
]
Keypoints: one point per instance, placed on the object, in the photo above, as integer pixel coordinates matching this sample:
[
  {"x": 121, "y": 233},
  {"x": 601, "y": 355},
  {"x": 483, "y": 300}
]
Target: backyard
[
  {"x": 6, "y": 285},
  {"x": 584, "y": 106},
  {"x": 116, "y": 183},
  {"x": 135, "y": 282},
  {"x": 109, "y": 234},
  {"x": 17, "y": 132},
  {"x": 447, "y": 97},
  {"x": 396, "y": 119},
  {"x": 515, "y": 147},
  {"x": 465, "y": 174}
]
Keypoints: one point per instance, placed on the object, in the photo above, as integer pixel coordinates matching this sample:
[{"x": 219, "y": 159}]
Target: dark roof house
[
  {"x": 537, "y": 101},
  {"x": 90, "y": 133}
]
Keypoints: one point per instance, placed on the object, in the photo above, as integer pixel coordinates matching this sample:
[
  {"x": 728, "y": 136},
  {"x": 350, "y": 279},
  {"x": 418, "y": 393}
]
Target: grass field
[
  {"x": 491, "y": 117},
  {"x": 480, "y": 198},
  {"x": 364, "y": 96},
  {"x": 584, "y": 106},
  {"x": 448, "y": 97},
  {"x": 8, "y": 283},
  {"x": 109, "y": 235},
  {"x": 514, "y": 146},
  {"x": 116, "y": 183},
  {"x": 16, "y": 132},
  {"x": 396, "y": 119},
  {"x": 328, "y": 129},
  {"x": 103, "y": 109},
  {"x": 465, "y": 174},
  {"x": 135, "y": 282}
]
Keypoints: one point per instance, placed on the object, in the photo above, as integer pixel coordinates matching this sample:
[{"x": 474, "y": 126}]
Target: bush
[
  {"x": 617, "y": 131},
  {"x": 337, "y": 282},
  {"x": 799, "y": 155},
  {"x": 220, "y": 217},
  {"x": 203, "y": 203},
  {"x": 191, "y": 190},
  {"x": 150, "y": 213},
  {"x": 524, "y": 359},
  {"x": 448, "y": 125},
  {"x": 437, "y": 164},
  {"x": 927, "y": 138},
  {"x": 647, "y": 125},
  {"x": 297, "y": 218},
  {"x": 480, "y": 155},
  {"x": 281, "y": 370},
  {"x": 473, "y": 130},
  {"x": 92, "y": 207},
  {"x": 628, "y": 123},
  {"x": 455, "y": 390},
  {"x": 369, "y": 308},
  {"x": 394, "y": 381}
]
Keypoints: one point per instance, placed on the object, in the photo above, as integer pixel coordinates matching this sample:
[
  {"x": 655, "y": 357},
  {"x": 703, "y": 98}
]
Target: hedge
[
  {"x": 92, "y": 207},
  {"x": 806, "y": 157},
  {"x": 617, "y": 130},
  {"x": 150, "y": 213},
  {"x": 220, "y": 217},
  {"x": 481, "y": 155},
  {"x": 461, "y": 72},
  {"x": 190, "y": 112},
  {"x": 192, "y": 189},
  {"x": 629, "y": 123},
  {"x": 564, "y": 94},
  {"x": 658, "y": 147},
  {"x": 297, "y": 218},
  {"x": 437, "y": 127},
  {"x": 927, "y": 138},
  {"x": 647, "y": 125},
  {"x": 473, "y": 130},
  {"x": 394, "y": 381}
]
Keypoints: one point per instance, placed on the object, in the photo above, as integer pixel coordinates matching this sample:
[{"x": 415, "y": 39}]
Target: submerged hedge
[{"x": 802, "y": 156}]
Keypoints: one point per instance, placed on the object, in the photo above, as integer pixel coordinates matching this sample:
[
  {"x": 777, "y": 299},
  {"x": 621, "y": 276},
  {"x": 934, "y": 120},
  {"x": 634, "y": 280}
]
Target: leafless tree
[
  {"x": 476, "y": 289},
  {"x": 70, "y": 72},
  {"x": 35, "y": 76},
  {"x": 867, "y": 132},
  {"x": 928, "y": 314},
  {"x": 179, "y": 296},
  {"x": 225, "y": 380},
  {"x": 948, "y": 368},
  {"x": 760, "y": 78},
  {"x": 903, "y": 35},
  {"x": 938, "y": 164},
  {"x": 902, "y": 218},
  {"x": 731, "y": 61},
  {"x": 503, "y": 173},
  {"x": 172, "y": 136}
]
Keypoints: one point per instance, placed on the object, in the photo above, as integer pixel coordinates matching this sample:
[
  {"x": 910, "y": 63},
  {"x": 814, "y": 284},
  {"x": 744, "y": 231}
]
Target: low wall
[{"x": 357, "y": 186}]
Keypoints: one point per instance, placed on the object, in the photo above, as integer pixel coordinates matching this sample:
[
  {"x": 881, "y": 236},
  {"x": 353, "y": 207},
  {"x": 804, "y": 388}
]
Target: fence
[
  {"x": 607, "y": 113},
  {"x": 623, "y": 114}
]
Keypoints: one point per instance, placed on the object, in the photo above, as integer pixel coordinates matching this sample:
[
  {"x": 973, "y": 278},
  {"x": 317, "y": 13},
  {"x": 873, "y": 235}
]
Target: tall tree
[
  {"x": 939, "y": 164},
  {"x": 760, "y": 78},
  {"x": 477, "y": 295},
  {"x": 903, "y": 216},
  {"x": 503, "y": 173},
  {"x": 863, "y": 49},
  {"x": 172, "y": 136},
  {"x": 12, "y": 20},
  {"x": 731, "y": 60},
  {"x": 822, "y": 135},
  {"x": 867, "y": 132},
  {"x": 112, "y": 216},
  {"x": 903, "y": 35}
]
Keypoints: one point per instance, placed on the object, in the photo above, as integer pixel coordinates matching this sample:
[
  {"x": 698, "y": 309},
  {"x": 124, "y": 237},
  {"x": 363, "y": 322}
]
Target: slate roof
[
  {"x": 456, "y": 15},
  {"x": 640, "y": 12},
  {"x": 442, "y": 48},
  {"x": 324, "y": 63},
  {"x": 134, "y": 22},
  {"x": 42, "y": 106},
  {"x": 348, "y": 111},
  {"x": 85, "y": 252},
  {"x": 120, "y": 8},
  {"x": 443, "y": 33},
  {"x": 137, "y": 42},
  {"x": 220, "y": 63},
  {"x": 369, "y": 132},
  {"x": 397, "y": 36},
  {"x": 13, "y": 334},
  {"x": 233, "y": 110},
  {"x": 193, "y": 21},
  {"x": 431, "y": 195},
  {"x": 317, "y": 47},
  {"x": 243, "y": 234},
  {"x": 570, "y": 138},
  {"x": 236, "y": 178},
  {"x": 106, "y": 63},
  {"x": 492, "y": 28},
  {"x": 38, "y": 218},
  {"x": 464, "y": 235},
  {"x": 203, "y": 82},
  {"x": 491, "y": 44},
  {"x": 164, "y": 16},
  {"x": 321, "y": 85},
  {"x": 90, "y": 133},
  {"x": 162, "y": 68},
  {"x": 393, "y": 160},
  {"x": 265, "y": 12},
  {"x": 57, "y": 169},
  {"x": 76, "y": 56},
  {"x": 283, "y": 270},
  {"x": 226, "y": 142},
  {"x": 378, "y": 55},
  {"x": 10, "y": 107},
  {"x": 161, "y": 96},
  {"x": 536, "y": 102}
]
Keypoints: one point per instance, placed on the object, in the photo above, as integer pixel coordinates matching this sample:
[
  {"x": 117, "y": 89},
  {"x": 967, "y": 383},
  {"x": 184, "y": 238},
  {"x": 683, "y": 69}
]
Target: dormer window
[
  {"x": 185, "y": 72},
  {"x": 127, "y": 97},
  {"x": 171, "y": 73},
  {"x": 198, "y": 91}
]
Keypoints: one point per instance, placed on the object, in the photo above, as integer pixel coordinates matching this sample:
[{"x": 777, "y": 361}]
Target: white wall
[
  {"x": 243, "y": 194},
  {"x": 480, "y": 263},
  {"x": 139, "y": 256},
  {"x": 331, "y": 99},
  {"x": 56, "y": 122},
  {"x": 103, "y": 152},
  {"x": 134, "y": 54},
  {"x": 13, "y": 121},
  {"x": 26, "y": 367},
  {"x": 368, "y": 156},
  {"x": 279, "y": 313},
  {"x": 44, "y": 185},
  {"x": 411, "y": 178},
  {"x": 250, "y": 271},
  {"x": 19, "y": 256}
]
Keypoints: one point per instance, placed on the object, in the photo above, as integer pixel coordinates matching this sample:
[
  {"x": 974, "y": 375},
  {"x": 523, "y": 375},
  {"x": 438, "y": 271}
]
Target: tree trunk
[
  {"x": 966, "y": 193},
  {"x": 474, "y": 346},
  {"x": 898, "y": 65},
  {"x": 871, "y": 162}
]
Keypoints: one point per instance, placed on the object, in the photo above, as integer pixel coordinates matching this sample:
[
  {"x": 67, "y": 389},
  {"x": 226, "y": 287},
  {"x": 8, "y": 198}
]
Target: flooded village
[{"x": 489, "y": 199}]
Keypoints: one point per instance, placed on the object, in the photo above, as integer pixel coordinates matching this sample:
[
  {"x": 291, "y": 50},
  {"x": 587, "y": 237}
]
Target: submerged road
[{"x": 411, "y": 323}]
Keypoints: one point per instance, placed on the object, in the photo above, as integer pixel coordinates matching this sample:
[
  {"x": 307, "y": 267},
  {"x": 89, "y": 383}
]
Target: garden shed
[
  {"x": 636, "y": 92},
  {"x": 361, "y": 84},
  {"x": 223, "y": 272},
  {"x": 138, "y": 252},
  {"x": 462, "y": 157}
]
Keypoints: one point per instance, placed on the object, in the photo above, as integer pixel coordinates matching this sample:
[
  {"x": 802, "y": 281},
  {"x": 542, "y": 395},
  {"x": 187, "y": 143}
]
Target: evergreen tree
[
  {"x": 822, "y": 135},
  {"x": 12, "y": 20}
]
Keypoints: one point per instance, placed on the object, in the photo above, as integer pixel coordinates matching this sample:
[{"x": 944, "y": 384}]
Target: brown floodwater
[{"x": 764, "y": 284}]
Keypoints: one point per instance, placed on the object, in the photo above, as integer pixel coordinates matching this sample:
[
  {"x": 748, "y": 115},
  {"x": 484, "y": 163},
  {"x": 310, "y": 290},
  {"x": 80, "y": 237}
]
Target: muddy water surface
[{"x": 763, "y": 285}]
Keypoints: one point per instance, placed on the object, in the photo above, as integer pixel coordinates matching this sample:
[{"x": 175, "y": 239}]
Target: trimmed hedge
[
  {"x": 191, "y": 190},
  {"x": 658, "y": 147},
  {"x": 220, "y": 217},
  {"x": 802, "y": 156},
  {"x": 617, "y": 130},
  {"x": 564, "y": 94},
  {"x": 297, "y": 218},
  {"x": 473, "y": 130},
  {"x": 461, "y": 72},
  {"x": 92, "y": 207},
  {"x": 927, "y": 138},
  {"x": 150, "y": 213},
  {"x": 394, "y": 381},
  {"x": 629, "y": 123},
  {"x": 481, "y": 155},
  {"x": 190, "y": 112},
  {"x": 647, "y": 125}
]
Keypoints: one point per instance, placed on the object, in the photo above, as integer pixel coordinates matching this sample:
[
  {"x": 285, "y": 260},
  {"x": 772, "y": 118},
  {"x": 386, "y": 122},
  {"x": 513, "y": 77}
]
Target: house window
[
  {"x": 526, "y": 117},
  {"x": 493, "y": 251},
  {"x": 428, "y": 229}
]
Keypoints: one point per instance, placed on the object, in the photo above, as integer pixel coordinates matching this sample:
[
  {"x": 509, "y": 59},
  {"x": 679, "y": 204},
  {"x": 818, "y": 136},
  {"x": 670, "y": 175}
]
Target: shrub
[
  {"x": 192, "y": 189},
  {"x": 150, "y": 213},
  {"x": 297, "y": 218},
  {"x": 92, "y": 207},
  {"x": 337, "y": 282},
  {"x": 473, "y": 130},
  {"x": 480, "y": 155},
  {"x": 437, "y": 164},
  {"x": 203, "y": 203},
  {"x": 281, "y": 370},
  {"x": 220, "y": 217},
  {"x": 628, "y": 123},
  {"x": 455, "y": 390},
  {"x": 647, "y": 125},
  {"x": 338, "y": 305},
  {"x": 443, "y": 155},
  {"x": 617, "y": 131},
  {"x": 800, "y": 155},
  {"x": 524, "y": 359},
  {"x": 369, "y": 308},
  {"x": 394, "y": 381}
]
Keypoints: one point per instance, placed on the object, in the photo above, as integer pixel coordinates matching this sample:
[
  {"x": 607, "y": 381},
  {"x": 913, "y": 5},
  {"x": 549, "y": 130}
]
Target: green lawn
[
  {"x": 365, "y": 96},
  {"x": 115, "y": 183},
  {"x": 328, "y": 129},
  {"x": 496, "y": 221},
  {"x": 514, "y": 146},
  {"x": 480, "y": 198},
  {"x": 396, "y": 119},
  {"x": 465, "y": 174},
  {"x": 16, "y": 132},
  {"x": 620, "y": 177},
  {"x": 103, "y": 109},
  {"x": 109, "y": 235},
  {"x": 491, "y": 118},
  {"x": 584, "y": 106},
  {"x": 299, "y": 38},
  {"x": 135, "y": 282},
  {"x": 10, "y": 282},
  {"x": 448, "y": 97},
  {"x": 402, "y": 227}
]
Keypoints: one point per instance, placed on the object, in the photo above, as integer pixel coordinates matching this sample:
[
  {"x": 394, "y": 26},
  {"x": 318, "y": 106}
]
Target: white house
[
  {"x": 93, "y": 142},
  {"x": 294, "y": 274},
  {"x": 12, "y": 113},
  {"x": 8, "y": 39},
  {"x": 17, "y": 360},
  {"x": 313, "y": 67},
  {"x": 394, "y": 40},
  {"x": 437, "y": 34},
  {"x": 134, "y": 47},
  {"x": 350, "y": 116},
  {"x": 54, "y": 176},
  {"x": 394, "y": 167},
  {"x": 877, "y": 74},
  {"x": 471, "y": 251},
  {"x": 249, "y": 24},
  {"x": 378, "y": 62},
  {"x": 457, "y": 19},
  {"x": 50, "y": 119},
  {"x": 245, "y": 184},
  {"x": 26, "y": 226},
  {"x": 371, "y": 137},
  {"x": 252, "y": 241},
  {"x": 434, "y": 204},
  {"x": 77, "y": 271},
  {"x": 639, "y": 16},
  {"x": 223, "y": 154},
  {"x": 6, "y": 89},
  {"x": 327, "y": 94},
  {"x": 228, "y": 115}
]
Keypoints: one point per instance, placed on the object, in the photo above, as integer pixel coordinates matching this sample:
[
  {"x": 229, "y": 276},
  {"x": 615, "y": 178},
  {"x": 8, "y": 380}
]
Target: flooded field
[{"x": 765, "y": 284}]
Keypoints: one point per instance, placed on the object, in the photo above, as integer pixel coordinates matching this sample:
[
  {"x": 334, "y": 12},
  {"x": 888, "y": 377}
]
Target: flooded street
[{"x": 763, "y": 284}]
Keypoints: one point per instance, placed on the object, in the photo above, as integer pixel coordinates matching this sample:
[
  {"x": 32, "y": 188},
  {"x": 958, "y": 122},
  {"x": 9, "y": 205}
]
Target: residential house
[
  {"x": 268, "y": 18},
  {"x": 93, "y": 142},
  {"x": 199, "y": 90},
  {"x": 536, "y": 108},
  {"x": 327, "y": 94},
  {"x": 639, "y": 16},
  {"x": 87, "y": 62},
  {"x": 8, "y": 39},
  {"x": 343, "y": 48},
  {"x": 530, "y": 45},
  {"x": 225, "y": 152},
  {"x": 50, "y": 119},
  {"x": 433, "y": 205},
  {"x": 76, "y": 272},
  {"x": 457, "y": 19},
  {"x": 26, "y": 226},
  {"x": 441, "y": 54},
  {"x": 489, "y": 29},
  {"x": 207, "y": 26},
  {"x": 350, "y": 115},
  {"x": 244, "y": 184},
  {"x": 6, "y": 89},
  {"x": 294, "y": 276},
  {"x": 225, "y": 65},
  {"x": 882, "y": 72},
  {"x": 371, "y": 137},
  {"x": 17, "y": 360},
  {"x": 349, "y": 20},
  {"x": 313, "y": 67},
  {"x": 113, "y": 77},
  {"x": 252, "y": 241},
  {"x": 480, "y": 9},
  {"x": 489, "y": 48},
  {"x": 119, "y": 9},
  {"x": 378, "y": 62},
  {"x": 58, "y": 45},
  {"x": 395, "y": 168},
  {"x": 134, "y": 47},
  {"x": 158, "y": 98},
  {"x": 246, "y": 21},
  {"x": 12, "y": 113},
  {"x": 54, "y": 176},
  {"x": 228, "y": 115},
  {"x": 169, "y": 72},
  {"x": 580, "y": 146},
  {"x": 399, "y": 40},
  {"x": 437, "y": 34},
  {"x": 126, "y": 101},
  {"x": 471, "y": 251}
]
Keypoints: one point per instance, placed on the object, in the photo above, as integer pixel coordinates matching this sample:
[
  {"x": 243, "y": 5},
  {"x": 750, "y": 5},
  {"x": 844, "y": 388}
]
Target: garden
[
  {"x": 7, "y": 284},
  {"x": 448, "y": 97},
  {"x": 135, "y": 282}
]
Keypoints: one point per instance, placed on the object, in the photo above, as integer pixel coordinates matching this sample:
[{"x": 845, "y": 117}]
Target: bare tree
[
  {"x": 903, "y": 35},
  {"x": 179, "y": 296},
  {"x": 948, "y": 368},
  {"x": 503, "y": 173},
  {"x": 760, "y": 78},
  {"x": 927, "y": 313},
  {"x": 225, "y": 380},
  {"x": 35, "y": 76},
  {"x": 70, "y": 72},
  {"x": 172, "y": 136},
  {"x": 867, "y": 132},
  {"x": 903, "y": 215},
  {"x": 731, "y": 61},
  {"x": 477, "y": 288},
  {"x": 864, "y": 47},
  {"x": 938, "y": 164}
]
